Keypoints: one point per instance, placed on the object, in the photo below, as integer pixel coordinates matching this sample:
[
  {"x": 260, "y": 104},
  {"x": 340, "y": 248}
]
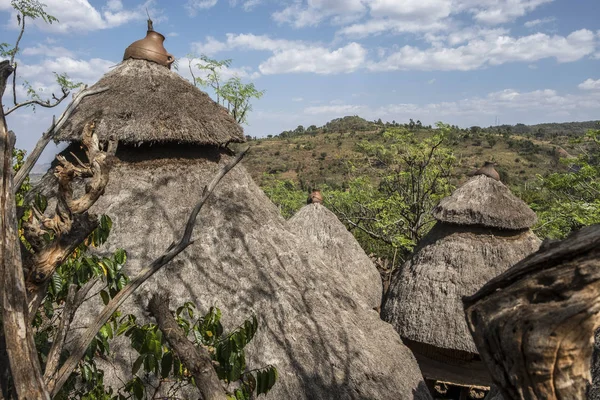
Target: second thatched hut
[{"x": 482, "y": 230}]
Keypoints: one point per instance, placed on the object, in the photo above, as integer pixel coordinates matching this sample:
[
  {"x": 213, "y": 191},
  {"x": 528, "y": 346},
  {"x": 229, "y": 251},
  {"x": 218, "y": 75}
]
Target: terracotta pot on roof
[{"x": 150, "y": 48}]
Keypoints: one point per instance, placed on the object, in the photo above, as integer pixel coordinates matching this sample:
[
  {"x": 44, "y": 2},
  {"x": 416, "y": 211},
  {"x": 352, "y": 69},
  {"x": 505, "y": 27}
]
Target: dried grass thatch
[
  {"x": 424, "y": 302},
  {"x": 338, "y": 248},
  {"x": 147, "y": 102},
  {"x": 324, "y": 339},
  {"x": 485, "y": 202}
]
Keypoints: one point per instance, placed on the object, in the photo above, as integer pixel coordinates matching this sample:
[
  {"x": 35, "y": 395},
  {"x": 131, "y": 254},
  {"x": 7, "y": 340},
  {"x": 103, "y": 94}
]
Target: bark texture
[
  {"x": 196, "y": 359},
  {"x": 22, "y": 355},
  {"x": 534, "y": 324}
]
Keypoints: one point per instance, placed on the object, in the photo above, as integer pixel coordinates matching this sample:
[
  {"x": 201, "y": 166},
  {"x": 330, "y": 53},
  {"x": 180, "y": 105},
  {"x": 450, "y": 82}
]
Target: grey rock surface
[
  {"x": 338, "y": 249},
  {"x": 323, "y": 337}
]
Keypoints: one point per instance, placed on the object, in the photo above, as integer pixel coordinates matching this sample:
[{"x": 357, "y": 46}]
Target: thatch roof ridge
[
  {"x": 424, "y": 302},
  {"x": 485, "y": 202},
  {"x": 339, "y": 249},
  {"x": 147, "y": 102}
]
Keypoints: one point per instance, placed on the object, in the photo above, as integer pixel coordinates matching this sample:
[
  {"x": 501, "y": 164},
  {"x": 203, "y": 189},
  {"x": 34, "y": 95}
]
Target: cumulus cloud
[
  {"x": 533, "y": 106},
  {"x": 536, "y": 22},
  {"x": 491, "y": 51},
  {"x": 319, "y": 60},
  {"x": 590, "y": 84},
  {"x": 86, "y": 71},
  {"x": 48, "y": 51},
  {"x": 81, "y": 16},
  {"x": 368, "y": 17},
  {"x": 290, "y": 56},
  {"x": 193, "y": 6}
]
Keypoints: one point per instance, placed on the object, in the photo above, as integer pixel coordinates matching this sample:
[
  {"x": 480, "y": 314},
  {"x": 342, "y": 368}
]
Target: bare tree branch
[
  {"x": 45, "y": 104},
  {"x": 55, "y": 383},
  {"x": 49, "y": 134},
  {"x": 196, "y": 359}
]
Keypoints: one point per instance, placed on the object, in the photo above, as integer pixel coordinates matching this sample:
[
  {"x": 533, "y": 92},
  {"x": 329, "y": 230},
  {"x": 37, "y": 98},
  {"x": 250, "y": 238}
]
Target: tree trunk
[
  {"x": 196, "y": 359},
  {"x": 534, "y": 324},
  {"x": 22, "y": 354}
]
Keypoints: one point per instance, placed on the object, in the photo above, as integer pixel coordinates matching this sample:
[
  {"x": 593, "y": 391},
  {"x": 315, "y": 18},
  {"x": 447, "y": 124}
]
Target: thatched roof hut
[
  {"x": 338, "y": 248},
  {"x": 148, "y": 103},
  {"x": 324, "y": 338},
  {"x": 482, "y": 230}
]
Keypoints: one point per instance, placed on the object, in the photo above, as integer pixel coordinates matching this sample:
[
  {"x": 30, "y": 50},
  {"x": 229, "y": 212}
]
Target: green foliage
[
  {"x": 567, "y": 201},
  {"x": 237, "y": 95},
  {"x": 286, "y": 195},
  {"x": 156, "y": 359},
  {"x": 413, "y": 178},
  {"x": 18, "y": 162},
  {"x": 233, "y": 94}
]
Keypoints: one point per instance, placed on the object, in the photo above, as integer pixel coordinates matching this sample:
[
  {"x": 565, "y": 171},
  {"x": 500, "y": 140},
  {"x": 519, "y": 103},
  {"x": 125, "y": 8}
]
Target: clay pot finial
[
  {"x": 488, "y": 170},
  {"x": 150, "y": 48}
]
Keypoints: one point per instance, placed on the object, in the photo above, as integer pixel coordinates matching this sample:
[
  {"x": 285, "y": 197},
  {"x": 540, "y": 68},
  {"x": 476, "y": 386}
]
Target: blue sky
[{"x": 465, "y": 62}]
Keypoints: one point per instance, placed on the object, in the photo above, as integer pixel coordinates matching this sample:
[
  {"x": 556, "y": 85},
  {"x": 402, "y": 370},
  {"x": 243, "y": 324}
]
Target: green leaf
[
  {"x": 166, "y": 364},
  {"x": 56, "y": 283},
  {"x": 265, "y": 379},
  {"x": 120, "y": 256},
  {"x": 137, "y": 364},
  {"x": 105, "y": 297}
]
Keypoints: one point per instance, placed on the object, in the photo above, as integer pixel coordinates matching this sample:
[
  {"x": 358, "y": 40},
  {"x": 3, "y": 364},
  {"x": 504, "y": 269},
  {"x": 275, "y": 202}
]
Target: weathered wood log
[
  {"x": 534, "y": 324},
  {"x": 20, "y": 347},
  {"x": 196, "y": 359}
]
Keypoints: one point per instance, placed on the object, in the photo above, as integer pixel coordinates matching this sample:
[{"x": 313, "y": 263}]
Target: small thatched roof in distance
[
  {"x": 340, "y": 250},
  {"x": 147, "y": 102},
  {"x": 486, "y": 202}
]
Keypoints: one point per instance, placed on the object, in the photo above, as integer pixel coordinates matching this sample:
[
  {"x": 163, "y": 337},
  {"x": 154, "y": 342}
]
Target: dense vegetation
[{"x": 382, "y": 179}]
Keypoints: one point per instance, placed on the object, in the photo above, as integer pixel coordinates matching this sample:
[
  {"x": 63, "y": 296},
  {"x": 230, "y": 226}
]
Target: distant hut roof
[
  {"x": 321, "y": 229},
  {"x": 486, "y": 202},
  {"x": 147, "y": 102}
]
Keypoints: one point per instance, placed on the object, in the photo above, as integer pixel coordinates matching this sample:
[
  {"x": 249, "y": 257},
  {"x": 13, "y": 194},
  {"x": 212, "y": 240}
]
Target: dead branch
[
  {"x": 49, "y": 134},
  {"x": 71, "y": 224},
  {"x": 42, "y": 103},
  {"x": 196, "y": 359},
  {"x": 534, "y": 324},
  {"x": 58, "y": 380},
  {"x": 22, "y": 354}
]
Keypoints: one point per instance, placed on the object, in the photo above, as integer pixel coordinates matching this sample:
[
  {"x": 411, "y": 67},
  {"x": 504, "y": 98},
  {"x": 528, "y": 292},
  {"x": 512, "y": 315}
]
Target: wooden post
[{"x": 534, "y": 324}]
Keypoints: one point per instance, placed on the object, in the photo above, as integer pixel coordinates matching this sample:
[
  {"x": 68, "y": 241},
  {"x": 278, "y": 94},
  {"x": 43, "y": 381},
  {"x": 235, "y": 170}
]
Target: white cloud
[
  {"x": 515, "y": 106},
  {"x": 193, "y": 6},
  {"x": 319, "y": 60},
  {"x": 415, "y": 16},
  {"x": 249, "y": 5},
  {"x": 290, "y": 56},
  {"x": 297, "y": 99},
  {"x": 86, "y": 71},
  {"x": 338, "y": 110},
  {"x": 500, "y": 11},
  {"x": 172, "y": 34},
  {"x": 81, "y": 16},
  {"x": 536, "y": 22},
  {"x": 48, "y": 51},
  {"x": 491, "y": 51},
  {"x": 431, "y": 81},
  {"x": 590, "y": 84}
]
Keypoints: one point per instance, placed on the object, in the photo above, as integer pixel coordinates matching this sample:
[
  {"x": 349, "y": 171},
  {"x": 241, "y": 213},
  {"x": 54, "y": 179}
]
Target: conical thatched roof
[
  {"x": 486, "y": 202},
  {"x": 482, "y": 231},
  {"x": 424, "y": 301},
  {"x": 339, "y": 249},
  {"x": 147, "y": 102},
  {"x": 324, "y": 339}
]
